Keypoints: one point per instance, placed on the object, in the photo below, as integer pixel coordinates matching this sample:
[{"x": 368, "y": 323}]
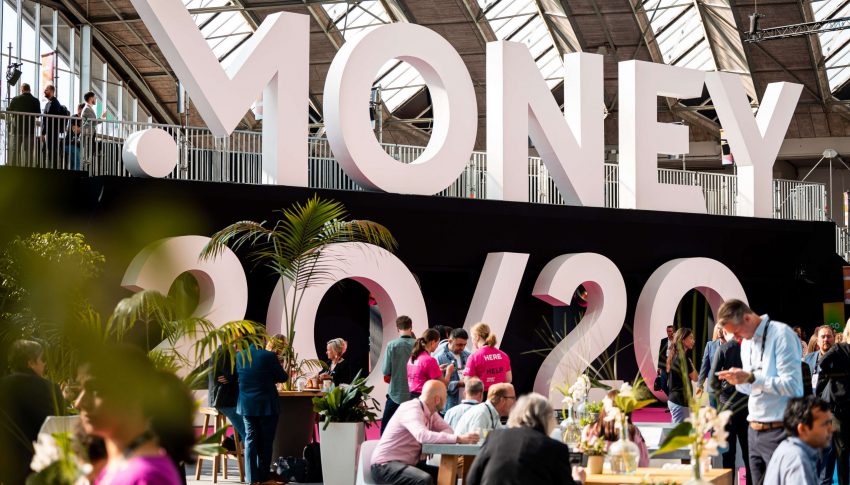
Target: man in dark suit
[
  {"x": 729, "y": 398},
  {"x": 833, "y": 386},
  {"x": 259, "y": 370},
  {"x": 22, "y": 129},
  {"x": 662, "y": 360},
  {"x": 51, "y": 126},
  {"x": 26, "y": 399}
]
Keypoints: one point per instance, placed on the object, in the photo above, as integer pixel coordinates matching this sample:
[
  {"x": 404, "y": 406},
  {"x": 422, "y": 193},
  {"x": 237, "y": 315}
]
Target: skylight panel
[
  {"x": 520, "y": 21},
  {"x": 224, "y": 31},
  {"x": 680, "y": 34},
  {"x": 835, "y": 45},
  {"x": 399, "y": 81}
]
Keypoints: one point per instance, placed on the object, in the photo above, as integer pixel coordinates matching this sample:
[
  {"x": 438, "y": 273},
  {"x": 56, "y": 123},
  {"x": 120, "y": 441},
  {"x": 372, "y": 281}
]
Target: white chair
[{"x": 364, "y": 472}]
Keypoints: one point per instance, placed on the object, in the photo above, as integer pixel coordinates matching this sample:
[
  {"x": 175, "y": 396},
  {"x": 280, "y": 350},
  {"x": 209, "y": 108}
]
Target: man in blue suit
[{"x": 258, "y": 404}]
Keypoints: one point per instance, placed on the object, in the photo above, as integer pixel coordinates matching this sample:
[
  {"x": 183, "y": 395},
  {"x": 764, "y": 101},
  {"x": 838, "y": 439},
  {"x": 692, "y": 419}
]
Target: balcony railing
[{"x": 95, "y": 146}]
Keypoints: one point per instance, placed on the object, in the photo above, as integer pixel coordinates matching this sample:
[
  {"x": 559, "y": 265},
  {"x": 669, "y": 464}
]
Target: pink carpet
[{"x": 651, "y": 415}]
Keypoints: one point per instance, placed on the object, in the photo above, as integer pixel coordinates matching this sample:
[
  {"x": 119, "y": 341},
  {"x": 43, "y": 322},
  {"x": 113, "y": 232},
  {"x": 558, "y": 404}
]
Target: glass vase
[
  {"x": 698, "y": 468},
  {"x": 570, "y": 430},
  {"x": 623, "y": 454}
]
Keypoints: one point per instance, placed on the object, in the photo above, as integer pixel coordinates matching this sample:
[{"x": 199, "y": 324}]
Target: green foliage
[
  {"x": 211, "y": 445},
  {"x": 678, "y": 437},
  {"x": 45, "y": 280},
  {"x": 348, "y": 404},
  {"x": 591, "y": 413},
  {"x": 294, "y": 249}
]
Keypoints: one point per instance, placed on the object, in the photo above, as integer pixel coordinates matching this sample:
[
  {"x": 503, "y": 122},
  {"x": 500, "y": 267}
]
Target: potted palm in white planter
[{"x": 346, "y": 411}]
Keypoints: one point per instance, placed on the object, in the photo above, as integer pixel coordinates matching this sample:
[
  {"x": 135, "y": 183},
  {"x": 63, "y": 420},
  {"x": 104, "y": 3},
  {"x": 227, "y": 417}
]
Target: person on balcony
[
  {"x": 22, "y": 126},
  {"x": 52, "y": 126},
  {"x": 88, "y": 134}
]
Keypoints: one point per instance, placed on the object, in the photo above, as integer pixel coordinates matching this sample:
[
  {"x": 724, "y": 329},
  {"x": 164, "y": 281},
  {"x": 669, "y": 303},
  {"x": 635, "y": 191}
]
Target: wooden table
[
  {"x": 449, "y": 458},
  {"x": 295, "y": 424},
  {"x": 718, "y": 476}
]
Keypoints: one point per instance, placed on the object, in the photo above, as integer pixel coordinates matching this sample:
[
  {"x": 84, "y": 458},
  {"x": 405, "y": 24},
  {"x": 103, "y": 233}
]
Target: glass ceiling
[
  {"x": 835, "y": 45},
  {"x": 680, "y": 34},
  {"x": 224, "y": 31},
  {"x": 399, "y": 81},
  {"x": 520, "y": 21}
]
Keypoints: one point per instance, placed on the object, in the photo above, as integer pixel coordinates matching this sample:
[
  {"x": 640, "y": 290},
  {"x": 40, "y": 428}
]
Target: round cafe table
[{"x": 295, "y": 424}]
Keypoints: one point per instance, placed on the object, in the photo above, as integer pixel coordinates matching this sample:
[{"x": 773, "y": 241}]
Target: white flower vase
[
  {"x": 698, "y": 467},
  {"x": 623, "y": 454},
  {"x": 341, "y": 451},
  {"x": 571, "y": 431}
]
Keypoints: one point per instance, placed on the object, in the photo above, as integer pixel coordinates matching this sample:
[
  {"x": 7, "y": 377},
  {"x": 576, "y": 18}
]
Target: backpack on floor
[{"x": 313, "y": 457}]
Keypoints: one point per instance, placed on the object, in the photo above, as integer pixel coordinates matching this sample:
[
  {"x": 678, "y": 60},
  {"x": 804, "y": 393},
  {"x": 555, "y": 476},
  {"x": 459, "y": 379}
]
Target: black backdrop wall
[{"x": 443, "y": 241}]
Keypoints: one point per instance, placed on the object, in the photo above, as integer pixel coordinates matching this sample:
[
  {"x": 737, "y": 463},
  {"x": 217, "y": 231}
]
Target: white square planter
[{"x": 340, "y": 445}]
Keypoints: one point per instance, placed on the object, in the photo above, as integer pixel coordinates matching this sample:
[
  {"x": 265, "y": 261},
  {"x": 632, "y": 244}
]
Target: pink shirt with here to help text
[
  {"x": 488, "y": 364},
  {"x": 422, "y": 370}
]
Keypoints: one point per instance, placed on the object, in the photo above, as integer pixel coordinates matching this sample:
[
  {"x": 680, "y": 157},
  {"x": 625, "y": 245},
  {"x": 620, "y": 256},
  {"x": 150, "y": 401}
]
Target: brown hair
[
  {"x": 498, "y": 391},
  {"x": 732, "y": 311},
  {"x": 678, "y": 338},
  {"x": 482, "y": 331},
  {"x": 429, "y": 335},
  {"x": 403, "y": 323},
  {"x": 607, "y": 429}
]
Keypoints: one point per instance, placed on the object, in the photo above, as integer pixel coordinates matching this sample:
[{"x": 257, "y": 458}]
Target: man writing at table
[
  {"x": 398, "y": 457},
  {"x": 772, "y": 375}
]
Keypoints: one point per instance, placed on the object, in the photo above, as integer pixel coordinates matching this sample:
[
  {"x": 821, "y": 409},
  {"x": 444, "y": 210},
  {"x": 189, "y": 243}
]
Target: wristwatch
[{"x": 751, "y": 378}]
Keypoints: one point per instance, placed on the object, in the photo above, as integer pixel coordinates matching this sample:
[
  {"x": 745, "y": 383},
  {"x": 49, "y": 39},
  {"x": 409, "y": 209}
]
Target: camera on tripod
[{"x": 13, "y": 73}]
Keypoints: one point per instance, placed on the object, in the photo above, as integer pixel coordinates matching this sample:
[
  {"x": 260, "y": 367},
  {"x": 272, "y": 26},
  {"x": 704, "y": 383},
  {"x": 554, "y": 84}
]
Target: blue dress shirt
[
  {"x": 793, "y": 463},
  {"x": 776, "y": 364},
  {"x": 453, "y": 395}
]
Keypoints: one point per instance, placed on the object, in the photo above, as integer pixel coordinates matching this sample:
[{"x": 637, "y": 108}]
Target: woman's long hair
[
  {"x": 422, "y": 342},
  {"x": 673, "y": 346},
  {"x": 607, "y": 429}
]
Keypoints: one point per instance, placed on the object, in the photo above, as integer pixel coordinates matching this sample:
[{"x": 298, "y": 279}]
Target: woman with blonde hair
[
  {"x": 523, "y": 452},
  {"x": 487, "y": 363},
  {"x": 339, "y": 370},
  {"x": 705, "y": 370}
]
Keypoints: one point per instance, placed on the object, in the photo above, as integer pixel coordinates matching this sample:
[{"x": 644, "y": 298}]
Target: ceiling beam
[
  {"x": 561, "y": 30},
  {"x": 691, "y": 117},
  {"x": 482, "y": 26},
  {"x": 724, "y": 40}
]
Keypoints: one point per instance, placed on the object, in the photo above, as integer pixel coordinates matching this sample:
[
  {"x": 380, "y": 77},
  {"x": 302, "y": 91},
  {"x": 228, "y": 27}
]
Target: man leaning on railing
[
  {"x": 21, "y": 127},
  {"x": 52, "y": 126}
]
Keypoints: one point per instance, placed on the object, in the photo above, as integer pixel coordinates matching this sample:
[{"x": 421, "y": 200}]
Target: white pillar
[{"x": 85, "y": 59}]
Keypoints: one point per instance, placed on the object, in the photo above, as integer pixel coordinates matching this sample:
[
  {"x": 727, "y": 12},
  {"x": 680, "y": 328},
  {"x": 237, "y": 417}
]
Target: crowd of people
[
  {"x": 52, "y": 136},
  {"x": 785, "y": 394},
  {"x": 790, "y": 415}
]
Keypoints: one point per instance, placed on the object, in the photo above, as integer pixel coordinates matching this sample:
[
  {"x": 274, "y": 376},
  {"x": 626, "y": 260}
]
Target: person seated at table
[
  {"x": 488, "y": 415},
  {"x": 808, "y": 424},
  {"x": 339, "y": 370},
  {"x": 609, "y": 431},
  {"x": 523, "y": 453},
  {"x": 473, "y": 394},
  {"x": 398, "y": 457},
  {"x": 421, "y": 367}
]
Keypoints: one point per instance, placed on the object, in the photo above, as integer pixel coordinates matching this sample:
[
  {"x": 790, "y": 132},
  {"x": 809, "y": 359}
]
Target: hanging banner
[{"x": 48, "y": 68}]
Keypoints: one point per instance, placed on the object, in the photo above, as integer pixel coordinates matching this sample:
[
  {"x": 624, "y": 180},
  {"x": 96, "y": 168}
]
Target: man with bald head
[
  {"x": 501, "y": 399},
  {"x": 398, "y": 457}
]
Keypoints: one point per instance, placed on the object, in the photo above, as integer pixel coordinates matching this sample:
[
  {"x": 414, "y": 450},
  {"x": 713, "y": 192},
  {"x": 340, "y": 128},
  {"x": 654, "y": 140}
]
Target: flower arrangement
[
  {"x": 591, "y": 413},
  {"x": 55, "y": 461},
  {"x": 595, "y": 447},
  {"x": 704, "y": 432},
  {"x": 629, "y": 399},
  {"x": 576, "y": 392}
]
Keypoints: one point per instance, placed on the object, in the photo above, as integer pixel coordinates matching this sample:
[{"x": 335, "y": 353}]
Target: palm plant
[{"x": 294, "y": 248}]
